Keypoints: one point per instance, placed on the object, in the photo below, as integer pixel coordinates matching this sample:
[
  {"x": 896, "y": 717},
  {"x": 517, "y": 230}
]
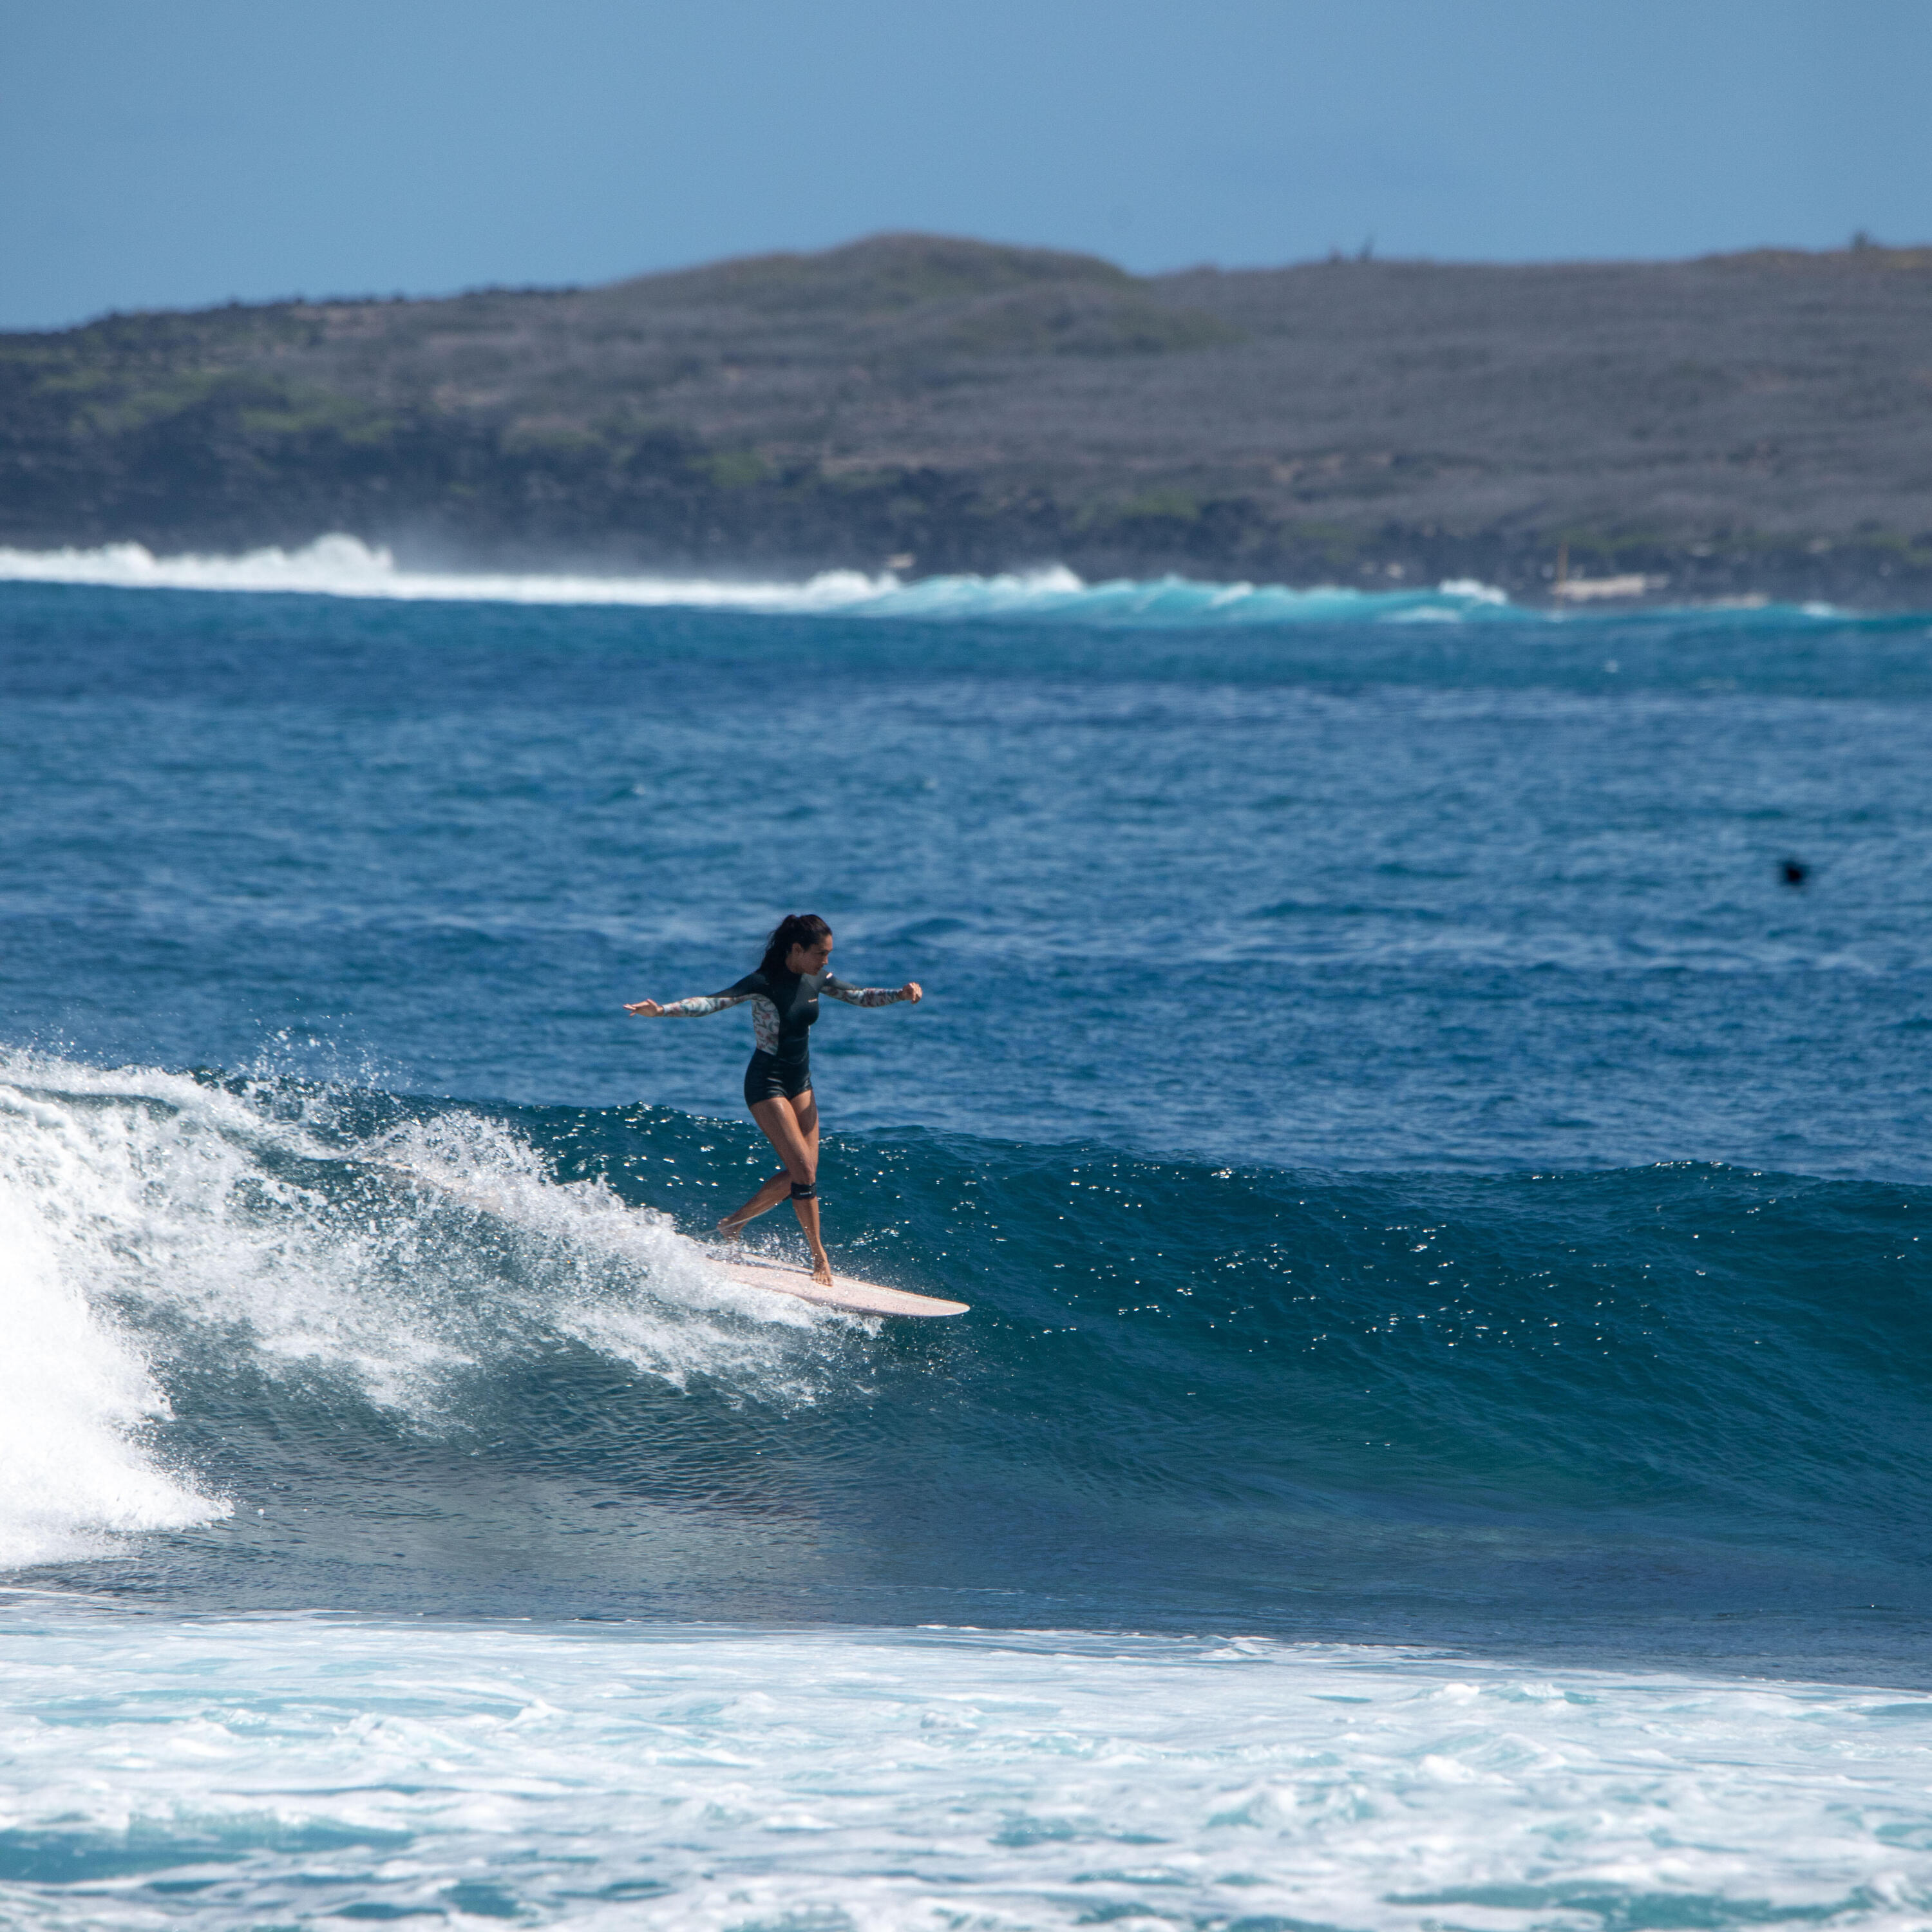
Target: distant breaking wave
[{"x": 344, "y": 566}]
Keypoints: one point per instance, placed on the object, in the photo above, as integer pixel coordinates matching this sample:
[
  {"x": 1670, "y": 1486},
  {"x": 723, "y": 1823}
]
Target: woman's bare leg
[
  {"x": 785, "y": 1123},
  {"x": 792, "y": 1128},
  {"x": 768, "y": 1197}
]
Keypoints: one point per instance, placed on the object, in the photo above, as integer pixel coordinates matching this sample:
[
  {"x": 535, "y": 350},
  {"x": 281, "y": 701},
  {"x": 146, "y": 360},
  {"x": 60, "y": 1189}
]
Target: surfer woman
[{"x": 784, "y": 993}]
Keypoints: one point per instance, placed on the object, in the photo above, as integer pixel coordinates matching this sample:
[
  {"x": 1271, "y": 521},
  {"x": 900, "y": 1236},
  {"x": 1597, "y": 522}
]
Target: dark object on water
[{"x": 1794, "y": 871}]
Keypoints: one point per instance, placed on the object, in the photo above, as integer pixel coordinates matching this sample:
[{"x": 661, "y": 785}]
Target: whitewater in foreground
[{"x": 315, "y": 1770}]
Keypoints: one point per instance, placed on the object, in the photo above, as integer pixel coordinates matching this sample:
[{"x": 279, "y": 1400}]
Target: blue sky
[{"x": 181, "y": 152}]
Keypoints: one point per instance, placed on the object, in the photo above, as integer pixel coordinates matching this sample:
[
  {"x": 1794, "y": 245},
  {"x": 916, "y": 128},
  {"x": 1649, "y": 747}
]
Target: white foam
[
  {"x": 142, "y": 1212},
  {"x": 343, "y": 566},
  {"x": 708, "y": 1780},
  {"x": 75, "y": 1394},
  {"x": 337, "y": 565}
]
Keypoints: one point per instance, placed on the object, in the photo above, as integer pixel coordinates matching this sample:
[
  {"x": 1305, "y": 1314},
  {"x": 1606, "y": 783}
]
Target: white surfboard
[{"x": 861, "y": 1297}]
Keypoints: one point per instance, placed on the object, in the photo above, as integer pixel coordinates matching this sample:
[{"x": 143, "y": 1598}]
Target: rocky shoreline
[{"x": 1754, "y": 427}]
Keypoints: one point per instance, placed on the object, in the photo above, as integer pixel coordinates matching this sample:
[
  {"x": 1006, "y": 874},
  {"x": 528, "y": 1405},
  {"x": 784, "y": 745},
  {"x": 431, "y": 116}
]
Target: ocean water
[{"x": 1439, "y": 1441}]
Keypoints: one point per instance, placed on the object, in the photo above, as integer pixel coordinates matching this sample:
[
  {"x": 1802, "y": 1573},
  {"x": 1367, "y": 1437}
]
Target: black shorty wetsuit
[{"x": 785, "y": 1007}]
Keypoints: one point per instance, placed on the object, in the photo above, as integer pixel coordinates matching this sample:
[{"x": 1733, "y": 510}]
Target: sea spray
[
  {"x": 77, "y": 1402},
  {"x": 155, "y": 1226}
]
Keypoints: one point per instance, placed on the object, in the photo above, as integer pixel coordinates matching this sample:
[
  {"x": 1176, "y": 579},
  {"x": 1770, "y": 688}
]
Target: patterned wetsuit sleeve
[
  {"x": 701, "y": 1003},
  {"x": 863, "y": 996}
]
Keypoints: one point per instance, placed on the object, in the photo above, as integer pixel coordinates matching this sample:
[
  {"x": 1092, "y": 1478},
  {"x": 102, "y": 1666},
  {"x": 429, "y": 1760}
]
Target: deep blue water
[{"x": 1418, "y": 1171}]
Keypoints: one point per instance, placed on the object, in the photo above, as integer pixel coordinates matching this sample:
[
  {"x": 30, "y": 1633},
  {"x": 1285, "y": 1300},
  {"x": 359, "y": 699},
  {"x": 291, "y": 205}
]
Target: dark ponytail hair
[{"x": 796, "y": 928}]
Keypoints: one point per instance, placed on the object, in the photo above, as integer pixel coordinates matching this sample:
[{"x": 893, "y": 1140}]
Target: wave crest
[
  {"x": 147, "y": 1220},
  {"x": 343, "y": 566},
  {"x": 75, "y": 1396},
  {"x": 338, "y": 565}
]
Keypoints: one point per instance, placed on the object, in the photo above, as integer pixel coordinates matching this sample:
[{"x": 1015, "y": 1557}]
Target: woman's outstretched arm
[
  {"x": 873, "y": 996},
  {"x": 692, "y": 1009}
]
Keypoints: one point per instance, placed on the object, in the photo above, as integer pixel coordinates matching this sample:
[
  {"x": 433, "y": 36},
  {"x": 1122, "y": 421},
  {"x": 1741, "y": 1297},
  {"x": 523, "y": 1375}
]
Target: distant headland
[{"x": 1749, "y": 425}]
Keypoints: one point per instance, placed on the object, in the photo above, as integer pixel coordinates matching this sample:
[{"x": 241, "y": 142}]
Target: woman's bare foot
[
  {"x": 731, "y": 1226},
  {"x": 821, "y": 1270}
]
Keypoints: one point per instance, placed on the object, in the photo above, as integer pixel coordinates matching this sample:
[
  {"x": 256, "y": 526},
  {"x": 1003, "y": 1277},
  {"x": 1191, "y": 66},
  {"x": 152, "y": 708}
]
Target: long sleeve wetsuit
[{"x": 784, "y": 1008}]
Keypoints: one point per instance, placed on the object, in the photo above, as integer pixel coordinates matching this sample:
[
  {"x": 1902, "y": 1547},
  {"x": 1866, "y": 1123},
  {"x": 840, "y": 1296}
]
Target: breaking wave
[
  {"x": 343, "y": 566},
  {"x": 1181, "y": 1392},
  {"x": 154, "y": 1228}
]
